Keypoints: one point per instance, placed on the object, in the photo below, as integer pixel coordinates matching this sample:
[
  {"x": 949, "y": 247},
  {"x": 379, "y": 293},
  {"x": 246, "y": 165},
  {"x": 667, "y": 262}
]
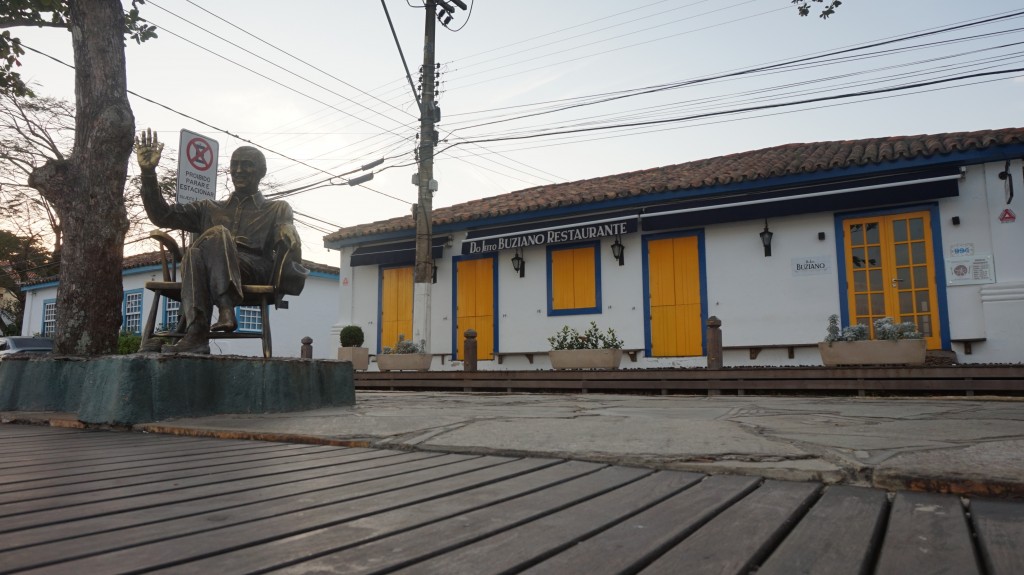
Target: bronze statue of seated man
[{"x": 235, "y": 246}]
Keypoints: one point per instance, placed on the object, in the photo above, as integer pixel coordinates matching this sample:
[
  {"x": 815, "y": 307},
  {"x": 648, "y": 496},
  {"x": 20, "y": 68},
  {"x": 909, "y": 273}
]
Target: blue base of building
[{"x": 129, "y": 389}]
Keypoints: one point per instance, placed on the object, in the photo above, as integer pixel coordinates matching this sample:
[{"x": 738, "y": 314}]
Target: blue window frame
[
  {"x": 49, "y": 327},
  {"x": 574, "y": 278},
  {"x": 131, "y": 311},
  {"x": 250, "y": 318},
  {"x": 172, "y": 313}
]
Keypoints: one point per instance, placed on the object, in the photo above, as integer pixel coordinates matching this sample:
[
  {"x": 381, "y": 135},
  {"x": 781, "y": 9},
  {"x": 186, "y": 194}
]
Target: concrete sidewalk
[{"x": 968, "y": 446}]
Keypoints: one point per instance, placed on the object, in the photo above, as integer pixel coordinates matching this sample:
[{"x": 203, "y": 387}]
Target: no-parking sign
[{"x": 197, "y": 167}]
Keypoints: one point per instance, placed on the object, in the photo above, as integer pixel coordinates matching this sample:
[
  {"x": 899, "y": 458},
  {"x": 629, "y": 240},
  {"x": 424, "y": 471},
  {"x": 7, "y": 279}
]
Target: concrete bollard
[
  {"x": 469, "y": 350},
  {"x": 714, "y": 336},
  {"x": 306, "y": 352}
]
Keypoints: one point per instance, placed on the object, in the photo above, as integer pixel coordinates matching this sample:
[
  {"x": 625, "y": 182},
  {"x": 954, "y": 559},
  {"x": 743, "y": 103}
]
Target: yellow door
[
  {"x": 475, "y": 305},
  {"x": 675, "y": 299},
  {"x": 396, "y": 289},
  {"x": 890, "y": 272}
]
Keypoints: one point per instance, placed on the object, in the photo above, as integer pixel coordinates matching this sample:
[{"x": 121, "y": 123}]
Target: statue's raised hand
[{"x": 148, "y": 149}]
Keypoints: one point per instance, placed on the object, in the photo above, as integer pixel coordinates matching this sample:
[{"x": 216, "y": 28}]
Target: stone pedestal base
[{"x": 128, "y": 389}]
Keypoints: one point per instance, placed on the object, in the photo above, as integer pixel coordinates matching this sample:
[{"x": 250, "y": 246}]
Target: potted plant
[
  {"x": 895, "y": 344},
  {"x": 352, "y": 350},
  {"x": 405, "y": 355},
  {"x": 592, "y": 349}
]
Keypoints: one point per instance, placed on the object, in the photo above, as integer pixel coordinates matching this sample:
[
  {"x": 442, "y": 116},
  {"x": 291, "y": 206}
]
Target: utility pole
[{"x": 423, "y": 272}]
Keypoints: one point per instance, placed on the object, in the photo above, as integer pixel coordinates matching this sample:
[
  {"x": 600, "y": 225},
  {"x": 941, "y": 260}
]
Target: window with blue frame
[
  {"x": 250, "y": 318},
  {"x": 573, "y": 279},
  {"x": 49, "y": 327},
  {"x": 132, "y": 312},
  {"x": 172, "y": 313}
]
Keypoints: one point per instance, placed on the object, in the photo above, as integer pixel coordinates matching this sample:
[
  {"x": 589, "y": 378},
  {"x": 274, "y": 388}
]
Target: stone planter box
[
  {"x": 404, "y": 361},
  {"x": 585, "y": 358},
  {"x": 359, "y": 356},
  {"x": 873, "y": 352}
]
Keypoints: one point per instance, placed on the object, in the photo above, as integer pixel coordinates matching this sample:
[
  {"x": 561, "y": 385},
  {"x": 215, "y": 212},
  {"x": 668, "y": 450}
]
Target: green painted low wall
[{"x": 130, "y": 389}]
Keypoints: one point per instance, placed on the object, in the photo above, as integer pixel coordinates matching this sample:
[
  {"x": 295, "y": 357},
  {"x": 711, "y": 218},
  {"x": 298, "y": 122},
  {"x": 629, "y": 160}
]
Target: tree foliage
[
  {"x": 804, "y": 9},
  {"x": 48, "y": 14},
  {"x": 22, "y": 258}
]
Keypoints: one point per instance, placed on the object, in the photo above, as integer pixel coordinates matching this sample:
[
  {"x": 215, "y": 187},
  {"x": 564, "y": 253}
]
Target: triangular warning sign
[{"x": 1007, "y": 216}]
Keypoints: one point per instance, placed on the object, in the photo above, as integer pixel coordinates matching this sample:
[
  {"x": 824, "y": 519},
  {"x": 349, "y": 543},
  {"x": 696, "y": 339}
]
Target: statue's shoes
[
  {"x": 188, "y": 346},
  {"x": 225, "y": 321}
]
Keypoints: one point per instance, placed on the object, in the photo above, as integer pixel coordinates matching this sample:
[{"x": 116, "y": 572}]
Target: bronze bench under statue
[{"x": 247, "y": 252}]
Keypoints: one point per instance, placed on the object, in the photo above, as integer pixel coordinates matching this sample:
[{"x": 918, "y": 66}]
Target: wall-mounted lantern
[
  {"x": 1007, "y": 179},
  {"x": 766, "y": 240},
  {"x": 618, "y": 250},
  {"x": 519, "y": 264}
]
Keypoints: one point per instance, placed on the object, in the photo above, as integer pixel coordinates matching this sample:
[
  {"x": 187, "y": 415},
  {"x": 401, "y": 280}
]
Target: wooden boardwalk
[{"x": 74, "y": 501}]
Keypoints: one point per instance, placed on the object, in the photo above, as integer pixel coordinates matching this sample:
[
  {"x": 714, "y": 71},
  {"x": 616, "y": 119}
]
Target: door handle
[{"x": 895, "y": 282}]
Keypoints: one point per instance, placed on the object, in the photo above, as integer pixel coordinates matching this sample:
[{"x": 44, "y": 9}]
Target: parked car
[{"x": 24, "y": 344}]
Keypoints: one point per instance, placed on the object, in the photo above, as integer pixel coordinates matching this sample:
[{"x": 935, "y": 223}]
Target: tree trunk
[{"x": 87, "y": 189}]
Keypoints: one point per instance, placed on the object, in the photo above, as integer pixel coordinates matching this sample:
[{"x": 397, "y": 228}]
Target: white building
[
  {"x": 310, "y": 314},
  {"x": 918, "y": 228}
]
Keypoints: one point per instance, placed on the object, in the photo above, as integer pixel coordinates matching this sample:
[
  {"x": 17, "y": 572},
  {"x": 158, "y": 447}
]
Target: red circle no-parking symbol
[{"x": 200, "y": 154}]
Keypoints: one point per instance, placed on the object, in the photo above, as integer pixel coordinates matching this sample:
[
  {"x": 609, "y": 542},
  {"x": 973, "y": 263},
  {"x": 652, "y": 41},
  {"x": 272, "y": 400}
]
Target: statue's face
[{"x": 246, "y": 171}]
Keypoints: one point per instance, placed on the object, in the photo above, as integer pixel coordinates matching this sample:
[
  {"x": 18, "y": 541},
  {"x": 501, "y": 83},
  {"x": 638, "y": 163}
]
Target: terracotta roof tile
[{"x": 785, "y": 160}]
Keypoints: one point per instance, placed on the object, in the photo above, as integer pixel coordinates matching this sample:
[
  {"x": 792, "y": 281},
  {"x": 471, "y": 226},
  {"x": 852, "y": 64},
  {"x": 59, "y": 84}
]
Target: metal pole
[{"x": 423, "y": 272}]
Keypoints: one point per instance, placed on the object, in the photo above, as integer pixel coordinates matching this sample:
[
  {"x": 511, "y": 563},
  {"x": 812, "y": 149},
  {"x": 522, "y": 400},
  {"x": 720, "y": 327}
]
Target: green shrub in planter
[{"x": 351, "y": 336}]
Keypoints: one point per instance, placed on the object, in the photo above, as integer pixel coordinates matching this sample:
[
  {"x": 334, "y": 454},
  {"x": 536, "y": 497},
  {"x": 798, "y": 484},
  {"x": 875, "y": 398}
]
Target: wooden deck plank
[
  {"x": 344, "y": 510},
  {"x": 109, "y": 532},
  {"x": 106, "y": 460},
  {"x": 1000, "y": 529},
  {"x": 518, "y": 547},
  {"x": 205, "y": 539},
  {"x": 838, "y": 536},
  {"x": 95, "y": 535},
  {"x": 192, "y": 478},
  {"x": 49, "y": 487},
  {"x": 927, "y": 533},
  {"x": 439, "y": 523},
  {"x": 645, "y": 536},
  {"x": 742, "y": 535},
  {"x": 204, "y": 486}
]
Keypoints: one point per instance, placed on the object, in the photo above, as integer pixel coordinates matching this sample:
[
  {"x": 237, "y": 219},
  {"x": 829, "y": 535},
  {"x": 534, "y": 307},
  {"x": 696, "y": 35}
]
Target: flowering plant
[
  {"x": 885, "y": 328},
  {"x": 592, "y": 338},
  {"x": 403, "y": 346}
]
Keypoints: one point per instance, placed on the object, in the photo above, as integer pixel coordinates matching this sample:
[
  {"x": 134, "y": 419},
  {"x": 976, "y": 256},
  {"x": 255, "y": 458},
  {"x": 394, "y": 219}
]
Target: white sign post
[{"x": 197, "y": 168}]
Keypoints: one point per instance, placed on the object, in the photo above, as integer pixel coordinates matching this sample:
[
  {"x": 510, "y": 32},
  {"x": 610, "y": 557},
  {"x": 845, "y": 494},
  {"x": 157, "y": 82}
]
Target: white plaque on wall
[
  {"x": 813, "y": 265},
  {"x": 973, "y": 270}
]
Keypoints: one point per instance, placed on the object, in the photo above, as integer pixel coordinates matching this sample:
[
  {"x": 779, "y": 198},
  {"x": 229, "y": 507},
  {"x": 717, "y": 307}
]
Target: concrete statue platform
[{"x": 129, "y": 389}]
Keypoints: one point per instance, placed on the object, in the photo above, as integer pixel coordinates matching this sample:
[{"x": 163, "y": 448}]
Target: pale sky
[{"x": 323, "y": 91}]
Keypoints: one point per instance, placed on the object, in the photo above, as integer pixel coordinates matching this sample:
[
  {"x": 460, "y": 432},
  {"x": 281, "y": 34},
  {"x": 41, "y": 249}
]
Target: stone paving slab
[{"x": 960, "y": 445}]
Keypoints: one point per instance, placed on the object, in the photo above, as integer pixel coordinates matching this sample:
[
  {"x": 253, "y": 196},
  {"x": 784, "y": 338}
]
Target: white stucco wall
[{"x": 760, "y": 300}]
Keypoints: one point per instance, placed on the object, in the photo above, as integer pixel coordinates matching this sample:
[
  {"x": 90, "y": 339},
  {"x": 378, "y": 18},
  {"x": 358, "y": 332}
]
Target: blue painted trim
[
  {"x": 973, "y": 157},
  {"x": 238, "y": 313},
  {"x": 42, "y": 319},
  {"x": 325, "y": 275},
  {"x": 937, "y": 257},
  {"x": 124, "y": 308},
  {"x": 596, "y": 245},
  {"x": 165, "y": 321},
  {"x": 702, "y": 264}
]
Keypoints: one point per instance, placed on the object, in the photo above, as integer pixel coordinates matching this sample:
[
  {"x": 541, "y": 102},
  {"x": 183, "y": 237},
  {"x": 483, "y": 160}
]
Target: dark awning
[
  {"x": 395, "y": 253},
  {"x": 520, "y": 236}
]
